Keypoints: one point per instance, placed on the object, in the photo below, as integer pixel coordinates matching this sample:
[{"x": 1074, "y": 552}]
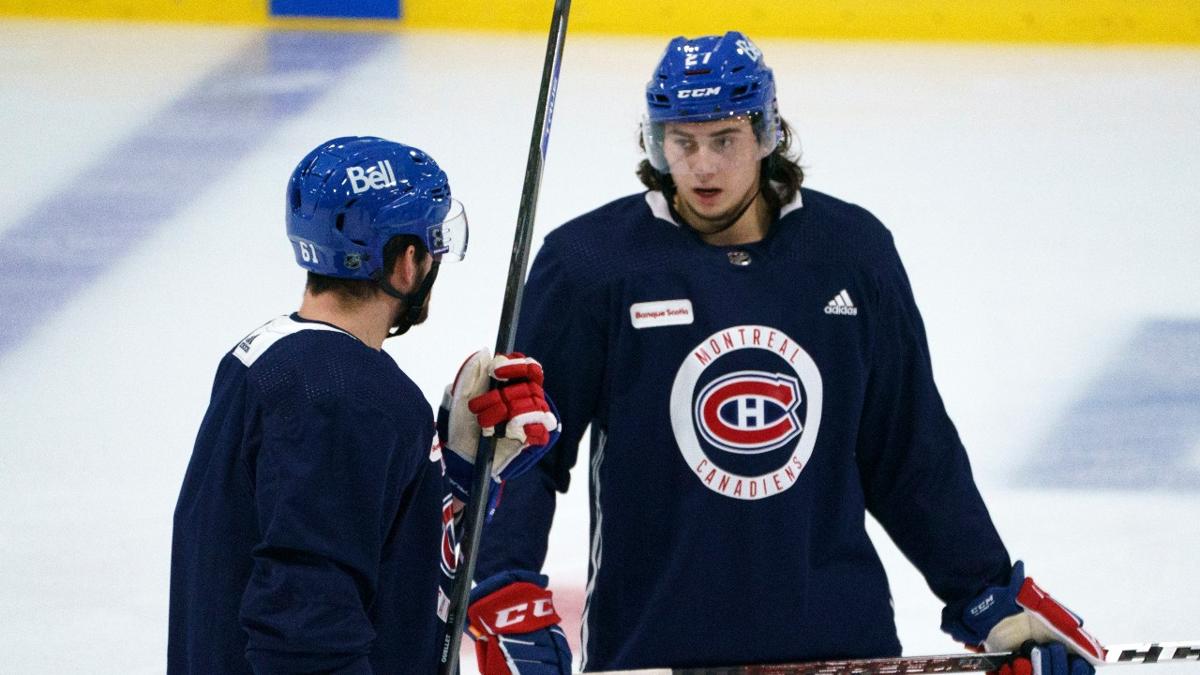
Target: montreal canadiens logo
[
  {"x": 749, "y": 412},
  {"x": 756, "y": 411},
  {"x": 449, "y": 541}
]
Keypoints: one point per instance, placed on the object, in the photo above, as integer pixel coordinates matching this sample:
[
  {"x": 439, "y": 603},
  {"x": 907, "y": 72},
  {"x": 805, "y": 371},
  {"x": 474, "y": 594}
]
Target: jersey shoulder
[
  {"x": 298, "y": 364},
  {"x": 607, "y": 226},
  {"x": 620, "y": 238},
  {"x": 839, "y": 231}
]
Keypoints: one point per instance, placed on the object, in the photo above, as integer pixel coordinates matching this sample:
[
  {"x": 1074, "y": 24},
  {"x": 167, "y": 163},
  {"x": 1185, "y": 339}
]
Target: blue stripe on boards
[
  {"x": 71, "y": 238},
  {"x": 337, "y": 9},
  {"x": 1137, "y": 426}
]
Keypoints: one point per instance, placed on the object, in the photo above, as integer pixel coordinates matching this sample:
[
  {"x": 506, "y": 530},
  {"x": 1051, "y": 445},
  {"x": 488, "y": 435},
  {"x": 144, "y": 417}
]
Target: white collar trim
[
  {"x": 661, "y": 210},
  {"x": 258, "y": 342}
]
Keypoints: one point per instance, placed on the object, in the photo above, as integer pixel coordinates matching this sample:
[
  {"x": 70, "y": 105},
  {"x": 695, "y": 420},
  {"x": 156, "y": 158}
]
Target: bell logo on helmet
[
  {"x": 376, "y": 177},
  {"x": 699, "y": 93}
]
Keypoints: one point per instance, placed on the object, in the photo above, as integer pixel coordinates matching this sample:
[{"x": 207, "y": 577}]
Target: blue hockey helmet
[
  {"x": 710, "y": 78},
  {"x": 351, "y": 195}
]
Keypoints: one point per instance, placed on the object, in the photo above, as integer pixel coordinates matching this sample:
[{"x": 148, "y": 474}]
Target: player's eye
[
  {"x": 684, "y": 144},
  {"x": 723, "y": 143}
]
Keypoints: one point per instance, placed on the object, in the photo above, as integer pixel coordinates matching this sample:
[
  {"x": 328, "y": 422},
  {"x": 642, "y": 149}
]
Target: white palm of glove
[
  {"x": 1043, "y": 620},
  {"x": 526, "y": 418}
]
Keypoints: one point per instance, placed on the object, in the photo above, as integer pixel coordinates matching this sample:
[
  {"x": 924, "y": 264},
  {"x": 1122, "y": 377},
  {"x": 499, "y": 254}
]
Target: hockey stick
[
  {"x": 1147, "y": 652},
  {"x": 507, "y": 334}
]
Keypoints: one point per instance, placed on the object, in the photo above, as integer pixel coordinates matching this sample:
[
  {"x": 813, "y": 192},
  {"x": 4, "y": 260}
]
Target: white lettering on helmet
[
  {"x": 749, "y": 49},
  {"x": 698, "y": 93},
  {"x": 375, "y": 177}
]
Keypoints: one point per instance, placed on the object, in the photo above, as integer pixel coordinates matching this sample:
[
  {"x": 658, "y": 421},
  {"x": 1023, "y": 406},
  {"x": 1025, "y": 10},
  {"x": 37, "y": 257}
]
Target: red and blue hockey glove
[
  {"x": 1051, "y": 658},
  {"x": 517, "y": 403},
  {"x": 1004, "y": 618},
  {"x": 516, "y": 631}
]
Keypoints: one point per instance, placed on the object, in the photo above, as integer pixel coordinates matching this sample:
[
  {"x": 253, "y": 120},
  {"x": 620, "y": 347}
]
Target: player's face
[{"x": 715, "y": 166}]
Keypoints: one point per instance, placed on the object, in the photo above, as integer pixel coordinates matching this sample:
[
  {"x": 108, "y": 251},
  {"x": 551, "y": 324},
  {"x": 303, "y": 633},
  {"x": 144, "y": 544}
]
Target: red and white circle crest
[{"x": 747, "y": 412}]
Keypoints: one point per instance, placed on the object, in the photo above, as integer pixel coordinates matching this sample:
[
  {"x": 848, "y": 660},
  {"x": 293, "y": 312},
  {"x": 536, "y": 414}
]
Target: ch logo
[
  {"x": 449, "y": 541},
  {"x": 511, "y": 616},
  {"x": 749, "y": 412},
  {"x": 772, "y": 403}
]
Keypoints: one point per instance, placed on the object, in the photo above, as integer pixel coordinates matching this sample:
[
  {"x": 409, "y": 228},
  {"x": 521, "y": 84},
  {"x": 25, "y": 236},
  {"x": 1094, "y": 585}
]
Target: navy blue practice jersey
[
  {"x": 309, "y": 527},
  {"x": 752, "y": 403}
]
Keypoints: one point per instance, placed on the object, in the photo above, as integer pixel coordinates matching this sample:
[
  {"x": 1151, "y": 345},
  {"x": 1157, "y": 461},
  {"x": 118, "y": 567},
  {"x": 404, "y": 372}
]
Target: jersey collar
[{"x": 662, "y": 210}]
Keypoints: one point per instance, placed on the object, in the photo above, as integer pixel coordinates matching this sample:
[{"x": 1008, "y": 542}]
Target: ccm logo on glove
[
  {"x": 511, "y": 616},
  {"x": 517, "y": 608}
]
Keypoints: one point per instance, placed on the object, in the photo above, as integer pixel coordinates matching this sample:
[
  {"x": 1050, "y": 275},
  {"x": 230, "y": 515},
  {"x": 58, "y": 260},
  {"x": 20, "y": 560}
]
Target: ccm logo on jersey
[
  {"x": 698, "y": 93},
  {"x": 749, "y": 412},
  {"x": 375, "y": 177}
]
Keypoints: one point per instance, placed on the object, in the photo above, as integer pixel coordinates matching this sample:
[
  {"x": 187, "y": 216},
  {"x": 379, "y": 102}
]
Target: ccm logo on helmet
[
  {"x": 375, "y": 177},
  {"x": 698, "y": 93},
  {"x": 511, "y": 616}
]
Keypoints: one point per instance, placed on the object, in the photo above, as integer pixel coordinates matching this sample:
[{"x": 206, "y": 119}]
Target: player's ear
[{"x": 406, "y": 272}]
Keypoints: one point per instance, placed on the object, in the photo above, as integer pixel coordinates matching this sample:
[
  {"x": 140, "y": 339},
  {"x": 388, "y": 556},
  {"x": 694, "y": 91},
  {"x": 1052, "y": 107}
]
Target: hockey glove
[
  {"x": 1046, "y": 659},
  {"x": 516, "y": 631},
  {"x": 1003, "y": 618},
  {"x": 517, "y": 404}
]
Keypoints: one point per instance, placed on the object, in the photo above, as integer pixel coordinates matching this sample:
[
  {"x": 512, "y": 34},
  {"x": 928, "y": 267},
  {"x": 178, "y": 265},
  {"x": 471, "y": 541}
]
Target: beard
[{"x": 403, "y": 319}]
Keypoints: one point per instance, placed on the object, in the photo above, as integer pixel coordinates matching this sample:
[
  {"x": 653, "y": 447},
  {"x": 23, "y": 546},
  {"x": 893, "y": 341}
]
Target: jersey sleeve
[
  {"x": 915, "y": 473},
  {"x": 560, "y": 327},
  {"x": 327, "y": 484}
]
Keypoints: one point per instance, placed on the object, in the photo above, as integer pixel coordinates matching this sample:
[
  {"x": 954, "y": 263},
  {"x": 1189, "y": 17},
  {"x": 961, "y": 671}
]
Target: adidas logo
[{"x": 841, "y": 304}]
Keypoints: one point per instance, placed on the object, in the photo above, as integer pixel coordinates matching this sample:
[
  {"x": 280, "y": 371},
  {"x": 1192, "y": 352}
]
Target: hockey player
[
  {"x": 756, "y": 376},
  {"x": 314, "y": 529}
]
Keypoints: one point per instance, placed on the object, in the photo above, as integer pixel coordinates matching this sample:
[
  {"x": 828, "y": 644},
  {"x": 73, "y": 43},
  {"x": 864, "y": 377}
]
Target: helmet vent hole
[
  {"x": 340, "y": 223},
  {"x": 294, "y": 198},
  {"x": 737, "y": 69},
  {"x": 739, "y": 91},
  {"x": 698, "y": 71}
]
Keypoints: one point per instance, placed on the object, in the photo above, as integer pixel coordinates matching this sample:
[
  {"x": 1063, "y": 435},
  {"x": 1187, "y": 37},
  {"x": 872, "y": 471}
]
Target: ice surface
[{"x": 1044, "y": 200}]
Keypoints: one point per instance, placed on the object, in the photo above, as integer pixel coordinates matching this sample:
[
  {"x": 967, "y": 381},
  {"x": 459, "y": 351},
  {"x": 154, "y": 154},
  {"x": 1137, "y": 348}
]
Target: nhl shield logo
[{"x": 745, "y": 411}]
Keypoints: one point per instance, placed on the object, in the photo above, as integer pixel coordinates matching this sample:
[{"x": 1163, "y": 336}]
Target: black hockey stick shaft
[
  {"x": 1123, "y": 654},
  {"x": 476, "y": 510}
]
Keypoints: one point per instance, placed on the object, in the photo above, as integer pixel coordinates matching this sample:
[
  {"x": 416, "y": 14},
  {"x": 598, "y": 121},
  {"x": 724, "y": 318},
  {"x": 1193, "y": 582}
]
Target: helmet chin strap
[{"x": 414, "y": 301}]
